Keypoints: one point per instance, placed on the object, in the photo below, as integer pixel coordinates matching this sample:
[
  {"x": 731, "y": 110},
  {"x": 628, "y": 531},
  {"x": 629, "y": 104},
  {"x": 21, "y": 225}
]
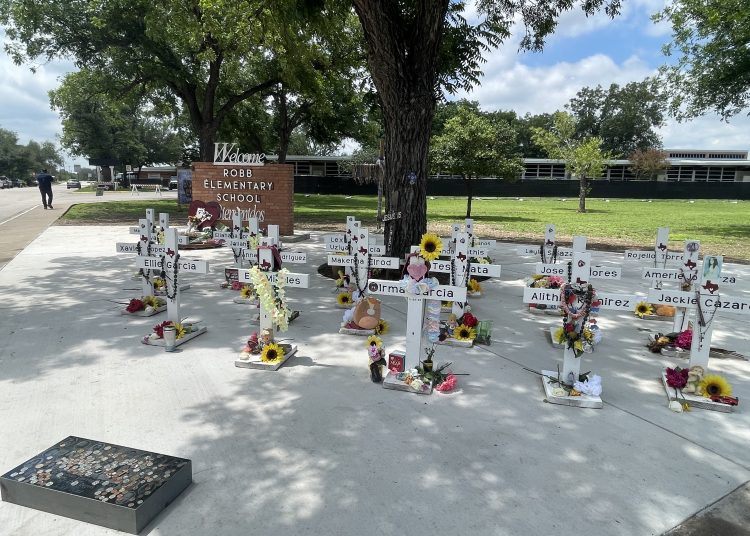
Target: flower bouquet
[
  {"x": 247, "y": 294},
  {"x": 692, "y": 388},
  {"x": 671, "y": 344},
  {"x": 145, "y": 306},
  {"x": 459, "y": 331}
]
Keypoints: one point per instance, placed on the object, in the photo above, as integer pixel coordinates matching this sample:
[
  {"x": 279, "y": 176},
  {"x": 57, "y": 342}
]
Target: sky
[{"x": 582, "y": 52}]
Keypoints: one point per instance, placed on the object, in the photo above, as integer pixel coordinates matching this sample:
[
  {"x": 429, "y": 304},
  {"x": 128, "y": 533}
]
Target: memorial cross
[
  {"x": 261, "y": 276},
  {"x": 415, "y": 310},
  {"x": 171, "y": 264},
  {"x": 362, "y": 259},
  {"x": 459, "y": 267}
]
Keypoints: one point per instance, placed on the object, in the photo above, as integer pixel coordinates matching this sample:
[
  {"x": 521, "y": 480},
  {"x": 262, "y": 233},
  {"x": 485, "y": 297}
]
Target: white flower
[
  {"x": 558, "y": 391},
  {"x": 591, "y": 387},
  {"x": 675, "y": 406}
]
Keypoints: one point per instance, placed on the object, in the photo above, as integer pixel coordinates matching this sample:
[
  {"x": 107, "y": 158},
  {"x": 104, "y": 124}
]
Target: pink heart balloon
[{"x": 417, "y": 271}]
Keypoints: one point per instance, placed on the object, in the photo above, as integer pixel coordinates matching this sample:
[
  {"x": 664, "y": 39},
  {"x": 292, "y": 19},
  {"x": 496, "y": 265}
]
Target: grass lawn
[{"x": 723, "y": 227}]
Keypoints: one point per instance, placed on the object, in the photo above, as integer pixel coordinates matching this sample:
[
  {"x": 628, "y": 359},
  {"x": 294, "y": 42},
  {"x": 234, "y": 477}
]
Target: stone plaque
[{"x": 113, "y": 486}]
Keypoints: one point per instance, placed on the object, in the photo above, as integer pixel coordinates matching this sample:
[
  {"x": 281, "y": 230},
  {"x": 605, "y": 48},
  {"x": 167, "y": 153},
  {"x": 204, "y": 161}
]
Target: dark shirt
[{"x": 44, "y": 180}]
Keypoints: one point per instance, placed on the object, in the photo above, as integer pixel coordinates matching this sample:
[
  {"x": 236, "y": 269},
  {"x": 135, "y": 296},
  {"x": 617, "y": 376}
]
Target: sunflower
[
  {"x": 464, "y": 333},
  {"x": 152, "y": 301},
  {"x": 643, "y": 309},
  {"x": 430, "y": 246},
  {"x": 474, "y": 285},
  {"x": 179, "y": 330},
  {"x": 381, "y": 328},
  {"x": 374, "y": 339},
  {"x": 159, "y": 283},
  {"x": 344, "y": 298},
  {"x": 246, "y": 292},
  {"x": 272, "y": 353},
  {"x": 715, "y": 385}
]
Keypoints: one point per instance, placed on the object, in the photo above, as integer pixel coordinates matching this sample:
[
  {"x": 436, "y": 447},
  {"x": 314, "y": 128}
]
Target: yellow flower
[
  {"x": 179, "y": 330},
  {"x": 643, "y": 309},
  {"x": 272, "y": 353},
  {"x": 715, "y": 385},
  {"x": 474, "y": 285},
  {"x": 559, "y": 335},
  {"x": 578, "y": 345},
  {"x": 382, "y": 327},
  {"x": 430, "y": 246},
  {"x": 158, "y": 283},
  {"x": 374, "y": 339},
  {"x": 587, "y": 334},
  {"x": 344, "y": 298},
  {"x": 464, "y": 333},
  {"x": 246, "y": 292}
]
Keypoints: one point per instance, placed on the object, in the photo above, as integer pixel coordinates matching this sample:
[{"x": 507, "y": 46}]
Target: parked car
[
  {"x": 5, "y": 182},
  {"x": 173, "y": 183},
  {"x": 73, "y": 183},
  {"x": 16, "y": 183}
]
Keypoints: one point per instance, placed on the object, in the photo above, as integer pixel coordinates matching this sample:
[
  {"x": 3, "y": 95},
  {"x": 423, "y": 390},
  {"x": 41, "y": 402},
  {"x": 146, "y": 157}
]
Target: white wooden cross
[
  {"x": 460, "y": 251},
  {"x": 660, "y": 255},
  {"x": 548, "y": 252},
  {"x": 173, "y": 264},
  {"x": 144, "y": 248},
  {"x": 362, "y": 259},
  {"x": 415, "y": 310},
  {"x": 347, "y": 242},
  {"x": 468, "y": 228},
  {"x": 296, "y": 280}
]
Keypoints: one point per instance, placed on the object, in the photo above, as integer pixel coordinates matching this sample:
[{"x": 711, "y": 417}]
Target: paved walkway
[{"x": 315, "y": 448}]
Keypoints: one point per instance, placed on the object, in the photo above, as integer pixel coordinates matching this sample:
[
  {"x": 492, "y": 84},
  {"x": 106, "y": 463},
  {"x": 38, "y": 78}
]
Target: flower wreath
[{"x": 272, "y": 296}]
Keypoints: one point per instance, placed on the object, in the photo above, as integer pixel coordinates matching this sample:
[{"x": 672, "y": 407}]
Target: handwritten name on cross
[{"x": 548, "y": 252}]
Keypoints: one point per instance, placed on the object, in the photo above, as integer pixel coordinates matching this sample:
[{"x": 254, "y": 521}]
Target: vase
[
  {"x": 571, "y": 366},
  {"x": 170, "y": 337}
]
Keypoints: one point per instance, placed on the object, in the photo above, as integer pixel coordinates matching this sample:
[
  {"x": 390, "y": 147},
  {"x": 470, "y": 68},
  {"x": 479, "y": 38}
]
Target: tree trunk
[
  {"x": 402, "y": 52},
  {"x": 285, "y": 134},
  {"x": 206, "y": 142},
  {"x": 469, "y": 195},
  {"x": 583, "y": 185}
]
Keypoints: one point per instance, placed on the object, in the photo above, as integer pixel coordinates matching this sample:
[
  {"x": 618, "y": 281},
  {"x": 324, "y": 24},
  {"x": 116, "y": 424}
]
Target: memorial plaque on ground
[{"x": 113, "y": 486}]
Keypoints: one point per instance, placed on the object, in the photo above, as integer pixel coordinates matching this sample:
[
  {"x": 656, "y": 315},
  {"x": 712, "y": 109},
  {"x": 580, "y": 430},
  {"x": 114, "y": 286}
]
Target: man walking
[{"x": 44, "y": 180}]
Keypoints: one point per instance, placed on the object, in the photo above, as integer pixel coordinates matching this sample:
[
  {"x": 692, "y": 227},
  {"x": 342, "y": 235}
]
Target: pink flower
[
  {"x": 677, "y": 377},
  {"x": 448, "y": 384},
  {"x": 569, "y": 327},
  {"x": 555, "y": 281},
  {"x": 684, "y": 340}
]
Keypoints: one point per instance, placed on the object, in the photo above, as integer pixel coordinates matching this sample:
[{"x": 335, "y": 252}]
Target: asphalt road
[{"x": 23, "y": 218}]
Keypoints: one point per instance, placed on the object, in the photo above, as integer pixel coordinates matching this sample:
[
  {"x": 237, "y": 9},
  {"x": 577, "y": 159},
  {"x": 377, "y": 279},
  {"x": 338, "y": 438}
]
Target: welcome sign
[{"x": 244, "y": 182}]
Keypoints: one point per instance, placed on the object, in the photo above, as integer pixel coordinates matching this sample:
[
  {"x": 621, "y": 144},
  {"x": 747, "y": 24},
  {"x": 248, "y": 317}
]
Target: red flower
[
  {"x": 684, "y": 340},
  {"x": 569, "y": 327},
  {"x": 159, "y": 328},
  {"x": 236, "y": 285},
  {"x": 135, "y": 305},
  {"x": 677, "y": 377},
  {"x": 470, "y": 320}
]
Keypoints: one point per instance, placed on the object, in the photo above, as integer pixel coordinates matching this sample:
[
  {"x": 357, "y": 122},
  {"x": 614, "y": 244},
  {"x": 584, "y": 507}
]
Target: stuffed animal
[{"x": 695, "y": 375}]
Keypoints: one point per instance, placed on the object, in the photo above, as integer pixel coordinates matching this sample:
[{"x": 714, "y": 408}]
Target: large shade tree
[
  {"x": 626, "y": 118},
  {"x": 201, "y": 57},
  {"x": 98, "y": 122},
  {"x": 712, "y": 69},
  {"x": 415, "y": 50}
]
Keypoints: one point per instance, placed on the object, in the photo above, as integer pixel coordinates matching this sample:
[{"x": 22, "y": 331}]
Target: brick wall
[{"x": 225, "y": 185}]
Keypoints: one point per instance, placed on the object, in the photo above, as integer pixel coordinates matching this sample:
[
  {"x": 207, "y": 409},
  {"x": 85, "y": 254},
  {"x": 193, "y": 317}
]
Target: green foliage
[
  {"x": 583, "y": 158},
  {"x": 471, "y": 144},
  {"x": 23, "y": 161},
  {"x": 712, "y": 72},
  {"x": 100, "y": 123},
  {"x": 626, "y": 118}
]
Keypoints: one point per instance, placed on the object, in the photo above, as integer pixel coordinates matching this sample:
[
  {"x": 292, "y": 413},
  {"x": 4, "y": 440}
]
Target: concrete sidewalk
[{"x": 316, "y": 448}]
